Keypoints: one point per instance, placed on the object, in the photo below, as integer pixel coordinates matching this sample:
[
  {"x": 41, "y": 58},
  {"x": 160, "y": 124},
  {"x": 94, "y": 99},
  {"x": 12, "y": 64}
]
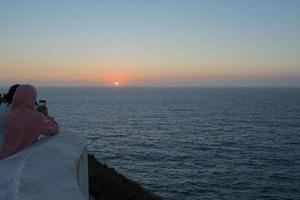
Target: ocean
[{"x": 191, "y": 143}]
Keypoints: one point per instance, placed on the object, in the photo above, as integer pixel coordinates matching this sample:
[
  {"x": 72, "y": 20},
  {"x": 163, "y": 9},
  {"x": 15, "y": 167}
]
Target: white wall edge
[{"x": 55, "y": 168}]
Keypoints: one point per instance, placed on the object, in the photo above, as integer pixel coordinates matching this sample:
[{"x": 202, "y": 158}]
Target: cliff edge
[{"x": 107, "y": 184}]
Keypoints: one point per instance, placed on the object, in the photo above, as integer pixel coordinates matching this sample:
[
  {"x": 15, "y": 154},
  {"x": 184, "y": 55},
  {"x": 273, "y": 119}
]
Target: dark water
[{"x": 185, "y": 143}]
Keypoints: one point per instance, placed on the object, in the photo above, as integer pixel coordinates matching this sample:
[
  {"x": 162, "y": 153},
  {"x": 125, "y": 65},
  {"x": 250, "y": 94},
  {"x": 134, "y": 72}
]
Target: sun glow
[{"x": 117, "y": 84}]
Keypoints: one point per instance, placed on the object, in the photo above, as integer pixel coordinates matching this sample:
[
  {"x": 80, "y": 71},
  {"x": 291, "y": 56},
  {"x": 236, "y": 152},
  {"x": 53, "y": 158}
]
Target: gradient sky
[{"x": 150, "y": 43}]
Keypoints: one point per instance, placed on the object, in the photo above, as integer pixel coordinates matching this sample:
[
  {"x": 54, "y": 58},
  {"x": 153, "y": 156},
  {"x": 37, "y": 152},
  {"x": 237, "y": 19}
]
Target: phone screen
[{"x": 42, "y": 103}]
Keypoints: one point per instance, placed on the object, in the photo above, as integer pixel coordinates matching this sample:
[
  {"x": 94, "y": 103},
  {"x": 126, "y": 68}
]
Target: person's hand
[{"x": 45, "y": 112}]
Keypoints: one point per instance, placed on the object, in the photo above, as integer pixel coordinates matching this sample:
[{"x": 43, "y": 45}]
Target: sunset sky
[{"x": 150, "y": 43}]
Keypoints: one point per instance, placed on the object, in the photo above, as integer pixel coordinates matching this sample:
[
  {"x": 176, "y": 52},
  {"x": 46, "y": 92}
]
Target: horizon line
[{"x": 162, "y": 86}]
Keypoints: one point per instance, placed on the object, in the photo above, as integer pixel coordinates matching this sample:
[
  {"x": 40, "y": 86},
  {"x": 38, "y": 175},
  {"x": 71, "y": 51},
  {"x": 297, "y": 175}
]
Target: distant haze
[{"x": 150, "y": 43}]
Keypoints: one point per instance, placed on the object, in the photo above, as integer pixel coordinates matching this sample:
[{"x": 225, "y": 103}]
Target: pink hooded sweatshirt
[{"x": 23, "y": 124}]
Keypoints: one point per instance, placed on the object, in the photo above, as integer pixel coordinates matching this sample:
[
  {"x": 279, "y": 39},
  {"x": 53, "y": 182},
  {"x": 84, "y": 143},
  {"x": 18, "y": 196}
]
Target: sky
[{"x": 150, "y": 43}]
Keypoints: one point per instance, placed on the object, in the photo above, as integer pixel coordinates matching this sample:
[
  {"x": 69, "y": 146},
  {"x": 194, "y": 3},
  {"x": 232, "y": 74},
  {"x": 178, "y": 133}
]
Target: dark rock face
[{"x": 107, "y": 184}]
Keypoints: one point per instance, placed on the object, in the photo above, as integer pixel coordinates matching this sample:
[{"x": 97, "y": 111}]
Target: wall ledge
[{"x": 54, "y": 168}]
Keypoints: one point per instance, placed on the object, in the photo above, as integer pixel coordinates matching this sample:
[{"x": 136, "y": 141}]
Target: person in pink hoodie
[{"x": 23, "y": 124}]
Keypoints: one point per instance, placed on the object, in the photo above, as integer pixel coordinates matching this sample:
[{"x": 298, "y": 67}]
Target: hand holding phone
[{"x": 42, "y": 107}]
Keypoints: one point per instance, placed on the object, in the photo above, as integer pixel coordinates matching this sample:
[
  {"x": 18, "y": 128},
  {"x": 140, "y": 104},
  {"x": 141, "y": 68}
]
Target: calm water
[{"x": 185, "y": 143}]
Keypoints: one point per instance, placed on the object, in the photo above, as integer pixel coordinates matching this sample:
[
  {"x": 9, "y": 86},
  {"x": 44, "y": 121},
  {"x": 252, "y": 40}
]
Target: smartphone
[{"x": 41, "y": 105}]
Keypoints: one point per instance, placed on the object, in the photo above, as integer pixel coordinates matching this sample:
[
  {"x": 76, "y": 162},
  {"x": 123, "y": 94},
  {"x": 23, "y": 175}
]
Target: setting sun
[{"x": 117, "y": 83}]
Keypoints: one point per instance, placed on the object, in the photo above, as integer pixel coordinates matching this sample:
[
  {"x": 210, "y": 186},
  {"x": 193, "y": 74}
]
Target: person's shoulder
[
  {"x": 33, "y": 115},
  {"x": 37, "y": 114},
  {"x": 4, "y": 109},
  {"x": 3, "y": 106}
]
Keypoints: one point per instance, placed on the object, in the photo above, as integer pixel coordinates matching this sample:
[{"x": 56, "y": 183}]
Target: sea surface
[{"x": 191, "y": 143}]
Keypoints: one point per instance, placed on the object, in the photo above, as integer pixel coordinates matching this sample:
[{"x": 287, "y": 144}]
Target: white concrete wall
[{"x": 54, "y": 168}]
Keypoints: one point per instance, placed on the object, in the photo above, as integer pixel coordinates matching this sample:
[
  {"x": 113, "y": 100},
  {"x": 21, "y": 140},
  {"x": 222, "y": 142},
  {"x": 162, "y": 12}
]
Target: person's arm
[{"x": 48, "y": 126}]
